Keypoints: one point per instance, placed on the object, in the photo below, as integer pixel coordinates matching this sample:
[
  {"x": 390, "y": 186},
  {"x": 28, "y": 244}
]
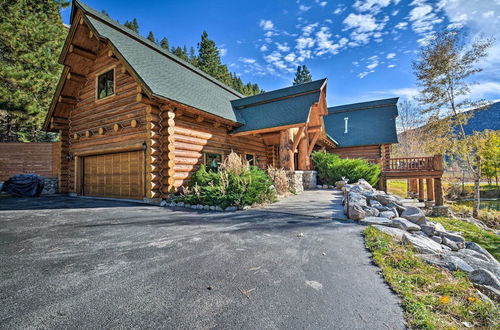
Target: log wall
[
  {"x": 192, "y": 139},
  {"x": 113, "y": 122},
  {"x": 22, "y": 158},
  {"x": 372, "y": 153}
]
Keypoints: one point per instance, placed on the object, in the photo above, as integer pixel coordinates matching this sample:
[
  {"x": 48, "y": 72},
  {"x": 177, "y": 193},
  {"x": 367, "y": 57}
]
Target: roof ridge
[
  {"x": 123, "y": 29},
  {"x": 288, "y": 87}
]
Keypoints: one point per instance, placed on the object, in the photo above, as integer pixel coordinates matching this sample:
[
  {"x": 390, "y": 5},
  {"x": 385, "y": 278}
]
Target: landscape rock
[
  {"x": 404, "y": 224},
  {"x": 385, "y": 199},
  {"x": 368, "y": 194},
  {"x": 371, "y": 211},
  {"x": 218, "y": 208},
  {"x": 475, "y": 259},
  {"x": 484, "y": 277},
  {"x": 436, "y": 239},
  {"x": 319, "y": 187},
  {"x": 356, "y": 212},
  {"x": 163, "y": 203},
  {"x": 451, "y": 244},
  {"x": 206, "y": 207},
  {"x": 422, "y": 244},
  {"x": 476, "y": 247},
  {"x": 364, "y": 184},
  {"x": 396, "y": 233},
  {"x": 398, "y": 207},
  {"x": 452, "y": 237},
  {"x": 230, "y": 209},
  {"x": 387, "y": 214},
  {"x": 432, "y": 228},
  {"x": 375, "y": 221},
  {"x": 415, "y": 215},
  {"x": 181, "y": 204},
  {"x": 212, "y": 208},
  {"x": 489, "y": 291},
  {"x": 325, "y": 186},
  {"x": 447, "y": 261}
]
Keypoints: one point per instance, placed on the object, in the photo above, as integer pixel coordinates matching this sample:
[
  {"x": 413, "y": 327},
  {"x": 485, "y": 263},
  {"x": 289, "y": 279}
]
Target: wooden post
[
  {"x": 430, "y": 189},
  {"x": 304, "y": 159},
  {"x": 421, "y": 193},
  {"x": 382, "y": 184},
  {"x": 286, "y": 152},
  {"x": 438, "y": 192},
  {"x": 412, "y": 186}
]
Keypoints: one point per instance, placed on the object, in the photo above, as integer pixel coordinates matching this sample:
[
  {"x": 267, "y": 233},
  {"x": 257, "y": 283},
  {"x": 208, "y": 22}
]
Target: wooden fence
[{"x": 39, "y": 158}]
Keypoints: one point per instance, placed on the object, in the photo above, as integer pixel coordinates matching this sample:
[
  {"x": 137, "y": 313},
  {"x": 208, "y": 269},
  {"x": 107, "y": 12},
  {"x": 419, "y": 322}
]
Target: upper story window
[{"x": 106, "y": 84}]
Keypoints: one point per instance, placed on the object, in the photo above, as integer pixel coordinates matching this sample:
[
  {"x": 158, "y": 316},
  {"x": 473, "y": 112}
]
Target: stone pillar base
[
  {"x": 440, "y": 211},
  {"x": 295, "y": 181}
]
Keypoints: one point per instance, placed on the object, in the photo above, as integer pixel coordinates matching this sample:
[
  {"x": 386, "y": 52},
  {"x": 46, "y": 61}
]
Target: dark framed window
[
  {"x": 212, "y": 161},
  {"x": 106, "y": 84},
  {"x": 251, "y": 159}
]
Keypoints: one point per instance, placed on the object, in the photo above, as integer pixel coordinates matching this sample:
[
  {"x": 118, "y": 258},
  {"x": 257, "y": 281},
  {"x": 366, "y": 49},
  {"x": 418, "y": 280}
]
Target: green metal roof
[
  {"x": 369, "y": 123},
  {"x": 163, "y": 73},
  {"x": 287, "y": 111}
]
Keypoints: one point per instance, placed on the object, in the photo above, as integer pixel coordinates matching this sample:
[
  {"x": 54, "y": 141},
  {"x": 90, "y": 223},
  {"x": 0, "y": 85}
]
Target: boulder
[
  {"x": 368, "y": 194},
  {"x": 432, "y": 228},
  {"x": 375, "y": 221},
  {"x": 212, "y": 208},
  {"x": 371, "y": 211},
  {"x": 385, "y": 199},
  {"x": 476, "y": 247},
  {"x": 387, "y": 214},
  {"x": 422, "y": 244},
  {"x": 325, "y": 186},
  {"x": 453, "y": 237},
  {"x": 356, "y": 189},
  {"x": 364, "y": 184},
  {"x": 404, "y": 224},
  {"x": 397, "y": 206},
  {"x": 356, "y": 212},
  {"x": 396, "y": 233},
  {"x": 451, "y": 244},
  {"x": 477, "y": 261},
  {"x": 357, "y": 199},
  {"x": 484, "y": 277},
  {"x": 218, "y": 208},
  {"x": 230, "y": 209},
  {"x": 180, "y": 204},
  {"x": 163, "y": 203},
  {"x": 319, "y": 187},
  {"x": 447, "y": 261},
  {"x": 436, "y": 239},
  {"x": 415, "y": 215}
]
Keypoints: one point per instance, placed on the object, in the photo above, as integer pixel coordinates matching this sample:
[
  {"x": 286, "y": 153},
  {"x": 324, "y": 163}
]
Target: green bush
[
  {"x": 331, "y": 168},
  {"x": 247, "y": 186}
]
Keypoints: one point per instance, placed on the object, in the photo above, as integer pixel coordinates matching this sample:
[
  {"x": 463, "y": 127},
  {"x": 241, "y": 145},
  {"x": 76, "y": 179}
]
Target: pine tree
[
  {"x": 151, "y": 37},
  {"x": 164, "y": 43},
  {"x": 104, "y": 12},
  {"x": 209, "y": 58},
  {"x": 134, "y": 26},
  {"x": 31, "y": 38},
  {"x": 302, "y": 75}
]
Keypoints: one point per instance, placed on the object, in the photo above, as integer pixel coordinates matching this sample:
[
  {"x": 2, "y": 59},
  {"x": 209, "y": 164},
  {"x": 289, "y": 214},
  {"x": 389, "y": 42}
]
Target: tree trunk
[{"x": 477, "y": 196}]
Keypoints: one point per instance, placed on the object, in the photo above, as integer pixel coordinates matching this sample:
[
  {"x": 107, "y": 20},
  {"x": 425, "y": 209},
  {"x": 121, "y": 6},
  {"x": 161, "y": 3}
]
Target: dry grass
[{"x": 280, "y": 178}]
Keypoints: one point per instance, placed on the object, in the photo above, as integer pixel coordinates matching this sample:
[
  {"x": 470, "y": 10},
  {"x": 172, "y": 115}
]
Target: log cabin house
[{"x": 135, "y": 121}]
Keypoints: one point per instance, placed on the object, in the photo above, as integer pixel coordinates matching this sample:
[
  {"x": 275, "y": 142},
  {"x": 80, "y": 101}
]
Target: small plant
[
  {"x": 234, "y": 184},
  {"x": 331, "y": 168},
  {"x": 280, "y": 178}
]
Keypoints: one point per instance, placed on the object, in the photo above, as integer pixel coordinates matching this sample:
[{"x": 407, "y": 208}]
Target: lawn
[
  {"x": 432, "y": 297},
  {"x": 400, "y": 188}
]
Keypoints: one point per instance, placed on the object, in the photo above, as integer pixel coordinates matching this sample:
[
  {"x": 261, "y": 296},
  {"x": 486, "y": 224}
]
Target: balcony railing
[{"x": 410, "y": 164}]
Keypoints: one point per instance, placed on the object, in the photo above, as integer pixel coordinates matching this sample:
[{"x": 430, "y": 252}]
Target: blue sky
[{"x": 363, "y": 47}]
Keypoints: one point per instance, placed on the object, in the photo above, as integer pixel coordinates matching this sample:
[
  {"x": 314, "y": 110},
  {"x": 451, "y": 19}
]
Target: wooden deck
[{"x": 417, "y": 171}]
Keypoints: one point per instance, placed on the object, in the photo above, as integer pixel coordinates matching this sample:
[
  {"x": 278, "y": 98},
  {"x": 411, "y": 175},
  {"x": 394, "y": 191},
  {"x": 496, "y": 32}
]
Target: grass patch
[
  {"x": 398, "y": 188},
  {"x": 432, "y": 297},
  {"x": 490, "y": 241}
]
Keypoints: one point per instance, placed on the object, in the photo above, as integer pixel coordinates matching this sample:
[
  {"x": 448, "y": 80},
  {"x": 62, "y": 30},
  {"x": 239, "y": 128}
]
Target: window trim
[
  {"x": 205, "y": 153},
  {"x": 254, "y": 158},
  {"x": 109, "y": 68}
]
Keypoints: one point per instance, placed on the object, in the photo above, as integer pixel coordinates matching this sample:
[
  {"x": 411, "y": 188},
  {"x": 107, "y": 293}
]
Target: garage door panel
[{"x": 118, "y": 175}]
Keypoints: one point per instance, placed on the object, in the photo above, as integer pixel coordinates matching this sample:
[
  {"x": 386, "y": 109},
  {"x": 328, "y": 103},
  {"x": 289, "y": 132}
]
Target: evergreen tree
[
  {"x": 31, "y": 38},
  {"x": 164, "y": 43},
  {"x": 209, "y": 59},
  {"x": 134, "y": 26},
  {"x": 302, "y": 75},
  {"x": 104, "y": 12},
  {"x": 151, "y": 37}
]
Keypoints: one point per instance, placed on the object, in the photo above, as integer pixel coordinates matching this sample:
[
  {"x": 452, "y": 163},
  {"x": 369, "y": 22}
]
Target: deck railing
[{"x": 409, "y": 164}]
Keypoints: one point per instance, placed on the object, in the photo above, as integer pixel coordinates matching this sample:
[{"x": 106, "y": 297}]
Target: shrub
[
  {"x": 234, "y": 184},
  {"x": 331, "y": 168},
  {"x": 280, "y": 178}
]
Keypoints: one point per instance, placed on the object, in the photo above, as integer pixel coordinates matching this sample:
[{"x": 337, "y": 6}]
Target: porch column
[
  {"x": 304, "y": 157},
  {"x": 438, "y": 192},
  {"x": 412, "y": 186},
  {"x": 421, "y": 195},
  {"x": 382, "y": 184},
  {"x": 430, "y": 189},
  {"x": 286, "y": 152}
]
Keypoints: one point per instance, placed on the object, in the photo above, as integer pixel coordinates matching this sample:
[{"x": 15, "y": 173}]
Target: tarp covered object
[{"x": 26, "y": 185}]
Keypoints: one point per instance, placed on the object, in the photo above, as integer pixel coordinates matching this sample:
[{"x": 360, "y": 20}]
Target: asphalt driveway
[{"x": 88, "y": 263}]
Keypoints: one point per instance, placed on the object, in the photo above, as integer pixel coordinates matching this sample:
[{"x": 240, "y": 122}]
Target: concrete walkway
[{"x": 325, "y": 204}]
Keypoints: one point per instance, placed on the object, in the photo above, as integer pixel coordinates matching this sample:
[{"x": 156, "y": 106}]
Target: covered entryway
[{"x": 118, "y": 175}]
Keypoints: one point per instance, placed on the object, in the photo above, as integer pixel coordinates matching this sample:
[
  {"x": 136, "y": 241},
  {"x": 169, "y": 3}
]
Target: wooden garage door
[{"x": 119, "y": 175}]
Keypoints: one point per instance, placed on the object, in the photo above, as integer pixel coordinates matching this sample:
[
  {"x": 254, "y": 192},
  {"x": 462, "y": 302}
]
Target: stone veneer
[{"x": 302, "y": 180}]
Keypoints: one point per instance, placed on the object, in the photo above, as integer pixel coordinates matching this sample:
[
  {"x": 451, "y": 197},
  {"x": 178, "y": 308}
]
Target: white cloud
[
  {"x": 361, "y": 23},
  {"x": 401, "y": 25},
  {"x": 304, "y": 8},
  {"x": 263, "y": 48},
  {"x": 391, "y": 65},
  {"x": 273, "y": 57},
  {"x": 247, "y": 60},
  {"x": 308, "y": 29},
  {"x": 266, "y": 24},
  {"x": 364, "y": 74},
  {"x": 373, "y": 62},
  {"x": 390, "y": 56},
  {"x": 304, "y": 42},
  {"x": 323, "y": 3},
  {"x": 222, "y": 51},
  {"x": 484, "y": 89},
  {"x": 373, "y": 6},
  {"x": 423, "y": 17},
  {"x": 338, "y": 11},
  {"x": 290, "y": 57},
  {"x": 282, "y": 47}
]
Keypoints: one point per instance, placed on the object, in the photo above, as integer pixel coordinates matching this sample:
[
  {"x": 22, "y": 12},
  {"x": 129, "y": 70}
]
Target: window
[
  {"x": 346, "y": 120},
  {"x": 251, "y": 159},
  {"x": 106, "y": 84},
  {"x": 212, "y": 161}
]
